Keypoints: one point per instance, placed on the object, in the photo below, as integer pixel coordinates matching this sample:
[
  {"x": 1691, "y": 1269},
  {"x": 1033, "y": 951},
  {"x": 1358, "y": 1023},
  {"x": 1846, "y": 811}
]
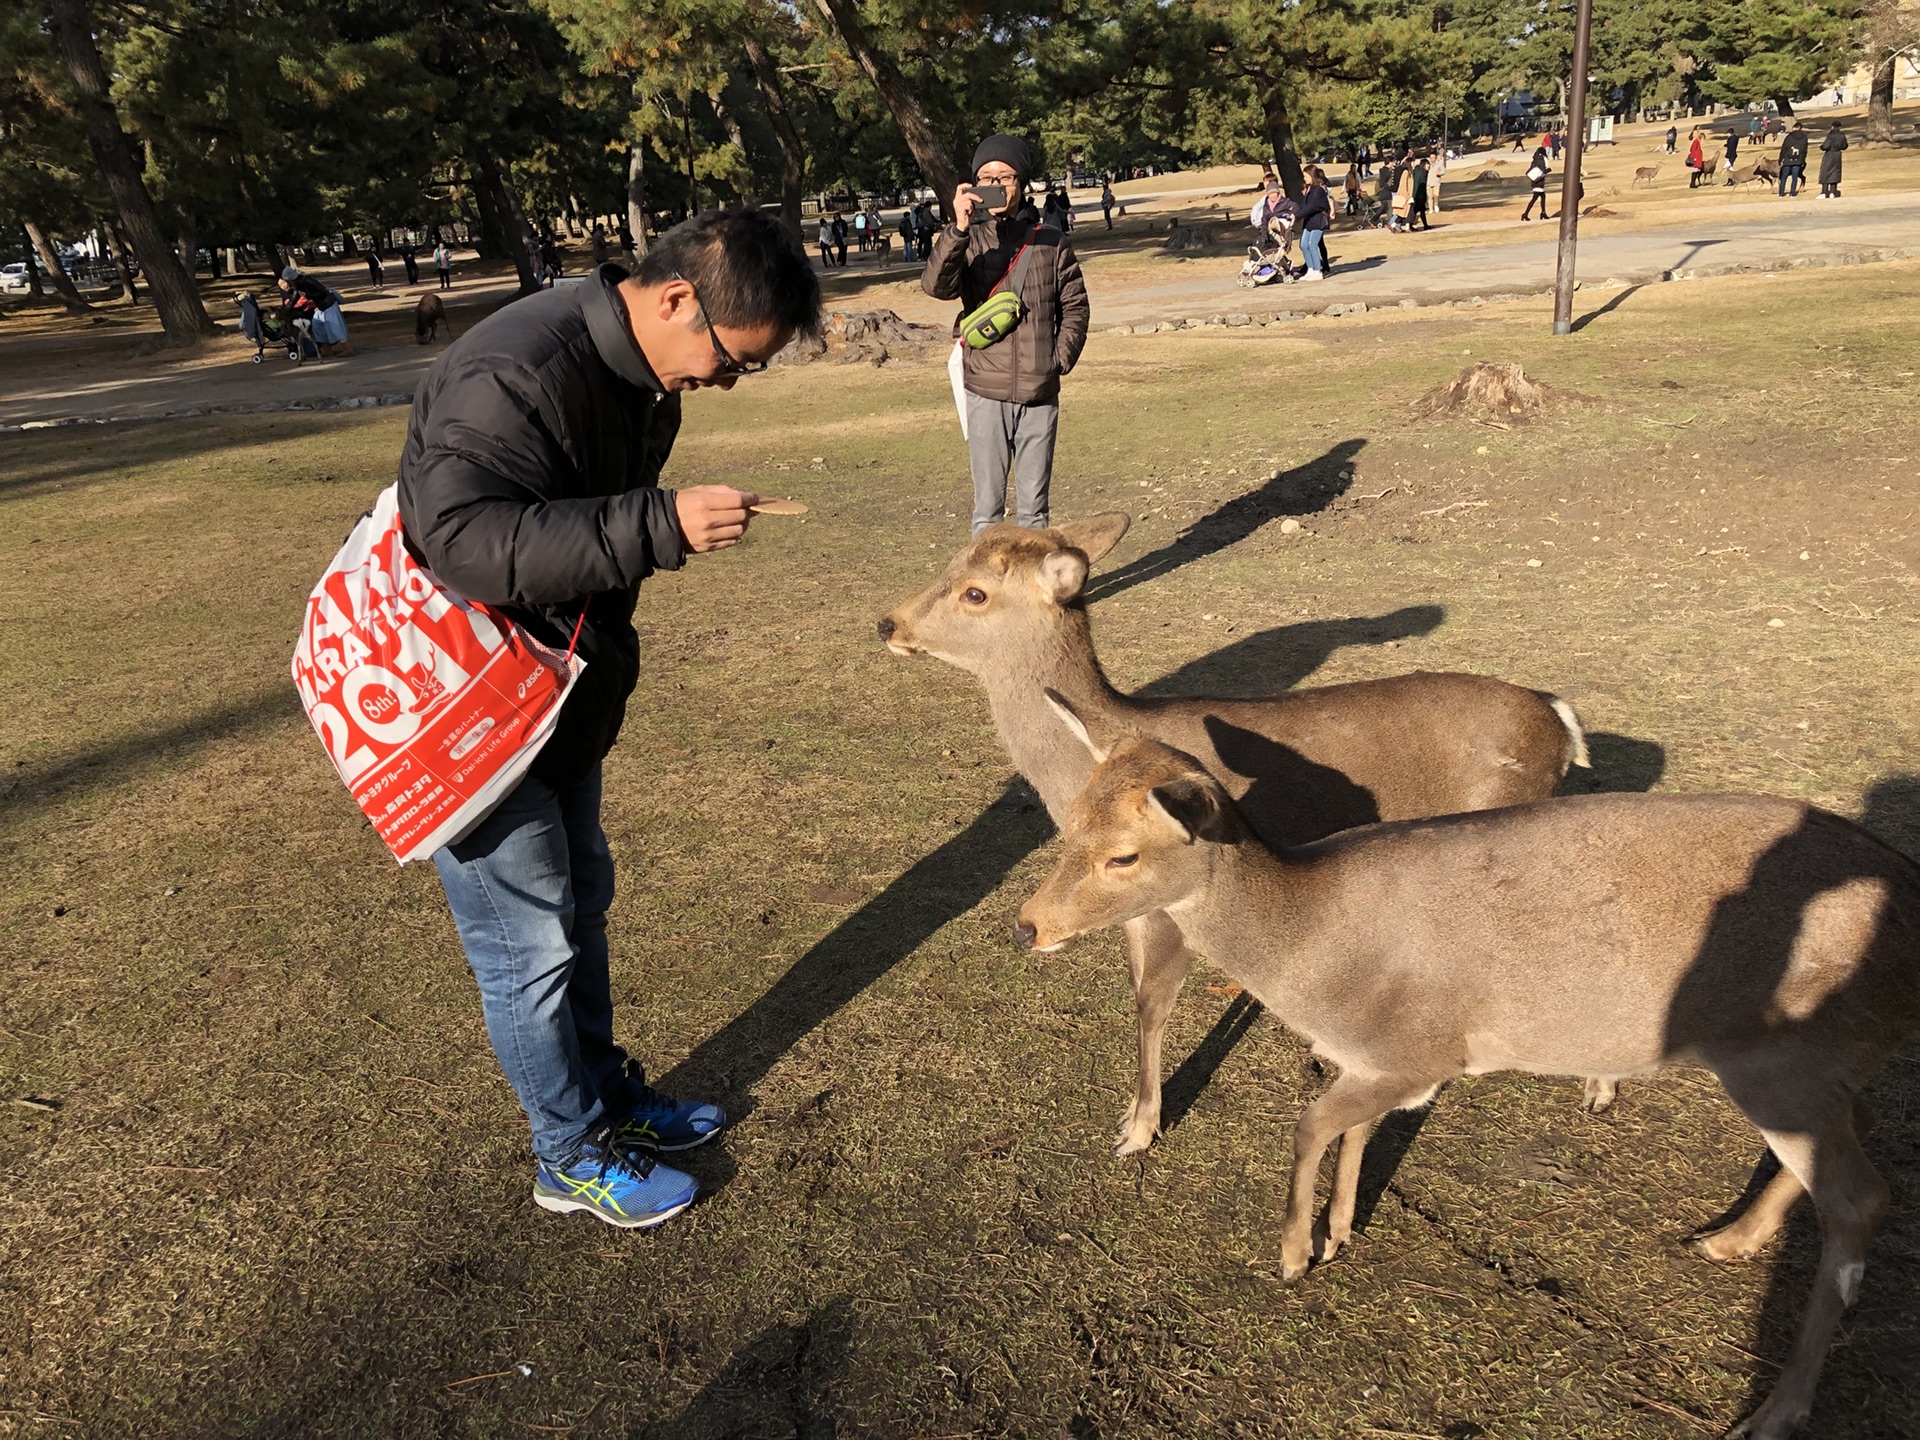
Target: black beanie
[{"x": 1009, "y": 150}]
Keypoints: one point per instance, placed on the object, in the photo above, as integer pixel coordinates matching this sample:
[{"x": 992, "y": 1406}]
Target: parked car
[{"x": 13, "y": 278}]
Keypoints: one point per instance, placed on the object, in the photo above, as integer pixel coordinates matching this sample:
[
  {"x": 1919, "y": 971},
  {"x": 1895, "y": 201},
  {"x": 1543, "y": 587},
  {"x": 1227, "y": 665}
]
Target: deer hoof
[
  {"x": 1133, "y": 1142},
  {"x": 1599, "y": 1095},
  {"x": 1770, "y": 1422},
  {"x": 1715, "y": 1245}
]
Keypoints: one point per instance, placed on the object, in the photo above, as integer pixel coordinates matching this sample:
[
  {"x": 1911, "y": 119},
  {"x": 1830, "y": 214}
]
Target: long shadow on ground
[
  {"x": 26, "y": 790},
  {"x": 1871, "y": 1385},
  {"x": 780, "y": 1382},
  {"x": 1304, "y": 490},
  {"x": 954, "y": 878}
]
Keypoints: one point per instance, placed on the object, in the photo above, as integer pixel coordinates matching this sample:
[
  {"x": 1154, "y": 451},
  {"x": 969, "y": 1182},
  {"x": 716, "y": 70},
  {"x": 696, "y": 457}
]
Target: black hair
[{"x": 745, "y": 267}]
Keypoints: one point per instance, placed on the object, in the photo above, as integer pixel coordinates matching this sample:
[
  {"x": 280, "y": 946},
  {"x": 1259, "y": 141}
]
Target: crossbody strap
[{"x": 1021, "y": 260}]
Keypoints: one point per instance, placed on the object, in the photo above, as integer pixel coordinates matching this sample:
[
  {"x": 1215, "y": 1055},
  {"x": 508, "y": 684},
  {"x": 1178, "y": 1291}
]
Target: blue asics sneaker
[
  {"x": 659, "y": 1122},
  {"x": 612, "y": 1183}
]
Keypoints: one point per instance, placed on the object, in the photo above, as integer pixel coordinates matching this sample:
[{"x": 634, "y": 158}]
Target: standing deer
[
  {"x": 1771, "y": 942},
  {"x": 1304, "y": 764},
  {"x": 1646, "y": 173}
]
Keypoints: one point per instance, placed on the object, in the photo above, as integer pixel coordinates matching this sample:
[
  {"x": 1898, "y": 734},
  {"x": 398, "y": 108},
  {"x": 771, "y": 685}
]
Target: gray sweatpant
[{"x": 1000, "y": 435}]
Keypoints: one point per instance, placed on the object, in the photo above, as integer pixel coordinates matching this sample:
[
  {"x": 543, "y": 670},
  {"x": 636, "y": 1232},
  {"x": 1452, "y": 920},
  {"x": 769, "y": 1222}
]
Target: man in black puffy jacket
[{"x": 530, "y": 481}]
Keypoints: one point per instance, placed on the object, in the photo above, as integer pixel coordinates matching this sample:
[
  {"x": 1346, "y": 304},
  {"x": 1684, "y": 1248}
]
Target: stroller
[
  {"x": 1270, "y": 262},
  {"x": 1370, "y": 214},
  {"x": 296, "y": 333}
]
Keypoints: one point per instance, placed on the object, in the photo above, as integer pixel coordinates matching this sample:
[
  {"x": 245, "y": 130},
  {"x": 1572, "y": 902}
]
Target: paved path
[
  {"x": 1819, "y": 232},
  {"x": 91, "y": 377}
]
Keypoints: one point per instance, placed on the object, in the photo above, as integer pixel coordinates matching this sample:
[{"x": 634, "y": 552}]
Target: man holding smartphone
[{"x": 1012, "y": 387}]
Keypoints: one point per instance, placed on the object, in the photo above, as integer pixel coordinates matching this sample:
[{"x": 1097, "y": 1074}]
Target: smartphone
[{"x": 992, "y": 196}]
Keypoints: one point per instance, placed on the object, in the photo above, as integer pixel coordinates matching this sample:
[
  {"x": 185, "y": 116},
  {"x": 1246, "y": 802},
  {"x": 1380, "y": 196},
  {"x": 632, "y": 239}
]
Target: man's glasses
[{"x": 728, "y": 365}]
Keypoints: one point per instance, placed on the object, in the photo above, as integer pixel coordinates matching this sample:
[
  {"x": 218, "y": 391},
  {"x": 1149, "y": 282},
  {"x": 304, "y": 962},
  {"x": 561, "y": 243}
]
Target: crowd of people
[{"x": 1789, "y": 165}]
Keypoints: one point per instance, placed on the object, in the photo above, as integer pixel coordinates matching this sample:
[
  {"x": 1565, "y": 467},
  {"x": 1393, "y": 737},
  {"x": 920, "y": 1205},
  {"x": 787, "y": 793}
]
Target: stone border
[{"x": 333, "y": 402}]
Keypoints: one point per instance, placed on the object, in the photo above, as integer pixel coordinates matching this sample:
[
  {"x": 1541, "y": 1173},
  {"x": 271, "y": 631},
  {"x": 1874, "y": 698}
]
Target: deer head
[
  {"x": 1142, "y": 836},
  {"x": 1008, "y": 589}
]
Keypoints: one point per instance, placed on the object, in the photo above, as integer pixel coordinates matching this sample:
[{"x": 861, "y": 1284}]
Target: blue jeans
[
  {"x": 529, "y": 891},
  {"x": 1310, "y": 248},
  {"x": 1791, "y": 173}
]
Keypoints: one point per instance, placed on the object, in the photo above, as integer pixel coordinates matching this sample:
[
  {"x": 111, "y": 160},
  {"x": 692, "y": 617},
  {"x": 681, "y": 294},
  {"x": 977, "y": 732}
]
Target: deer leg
[
  {"x": 1159, "y": 961},
  {"x": 1742, "y": 1238},
  {"x": 1599, "y": 1094},
  {"x": 1336, "y": 1224},
  {"x": 1352, "y": 1103},
  {"x": 1822, "y": 1149}
]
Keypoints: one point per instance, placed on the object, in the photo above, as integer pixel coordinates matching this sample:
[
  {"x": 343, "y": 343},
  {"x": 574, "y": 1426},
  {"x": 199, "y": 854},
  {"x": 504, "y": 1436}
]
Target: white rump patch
[{"x": 1574, "y": 732}]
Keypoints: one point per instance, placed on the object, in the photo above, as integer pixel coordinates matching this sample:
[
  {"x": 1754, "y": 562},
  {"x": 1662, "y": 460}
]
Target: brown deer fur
[
  {"x": 1302, "y": 765},
  {"x": 1770, "y": 942}
]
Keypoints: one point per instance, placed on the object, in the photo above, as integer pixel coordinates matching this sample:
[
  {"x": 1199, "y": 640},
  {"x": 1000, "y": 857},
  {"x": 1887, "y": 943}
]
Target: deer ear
[
  {"x": 1095, "y": 535},
  {"x": 1073, "y": 722},
  {"x": 1194, "y": 808},
  {"x": 1062, "y": 574}
]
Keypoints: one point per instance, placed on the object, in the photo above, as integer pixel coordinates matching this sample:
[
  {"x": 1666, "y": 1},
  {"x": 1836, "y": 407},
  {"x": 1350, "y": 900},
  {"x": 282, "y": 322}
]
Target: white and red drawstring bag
[{"x": 430, "y": 706}]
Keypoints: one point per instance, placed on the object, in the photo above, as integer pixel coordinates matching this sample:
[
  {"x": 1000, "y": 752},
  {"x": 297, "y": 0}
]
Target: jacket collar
[{"x": 606, "y": 313}]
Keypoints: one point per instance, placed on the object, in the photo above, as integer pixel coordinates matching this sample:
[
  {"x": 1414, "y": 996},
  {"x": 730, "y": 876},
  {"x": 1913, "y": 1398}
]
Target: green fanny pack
[{"x": 995, "y": 318}]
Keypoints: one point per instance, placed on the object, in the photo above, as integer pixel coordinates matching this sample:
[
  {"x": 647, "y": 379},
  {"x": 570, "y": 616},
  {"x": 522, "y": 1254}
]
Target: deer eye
[
  {"x": 974, "y": 595},
  {"x": 1121, "y": 862}
]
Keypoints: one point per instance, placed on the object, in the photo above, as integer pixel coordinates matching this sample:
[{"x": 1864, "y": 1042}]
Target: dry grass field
[{"x": 271, "y": 1183}]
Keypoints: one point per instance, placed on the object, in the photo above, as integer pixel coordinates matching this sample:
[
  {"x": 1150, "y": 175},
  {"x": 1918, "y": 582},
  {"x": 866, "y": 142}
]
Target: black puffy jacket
[{"x": 530, "y": 480}]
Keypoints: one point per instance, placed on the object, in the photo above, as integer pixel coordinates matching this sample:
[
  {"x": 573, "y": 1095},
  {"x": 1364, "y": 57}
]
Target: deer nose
[
  {"x": 885, "y": 628},
  {"x": 1023, "y": 933}
]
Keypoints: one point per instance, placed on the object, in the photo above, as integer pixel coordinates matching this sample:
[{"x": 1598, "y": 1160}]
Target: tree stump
[{"x": 1486, "y": 390}]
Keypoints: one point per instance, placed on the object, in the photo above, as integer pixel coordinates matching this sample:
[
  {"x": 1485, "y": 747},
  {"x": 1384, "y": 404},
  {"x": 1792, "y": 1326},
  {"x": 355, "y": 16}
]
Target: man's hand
[
  {"x": 712, "y": 517},
  {"x": 964, "y": 199}
]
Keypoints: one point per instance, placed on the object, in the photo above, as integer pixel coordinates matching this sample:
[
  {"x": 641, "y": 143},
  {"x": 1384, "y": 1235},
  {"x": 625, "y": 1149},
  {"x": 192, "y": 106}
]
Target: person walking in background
[
  {"x": 411, "y": 261},
  {"x": 1733, "y": 151},
  {"x": 1831, "y": 149},
  {"x": 1011, "y": 387},
  {"x": 376, "y": 272},
  {"x": 1383, "y": 192},
  {"x": 1417, "y": 213},
  {"x": 1350, "y": 189},
  {"x": 1366, "y": 161},
  {"x": 1696, "y": 159},
  {"x": 1793, "y": 160},
  {"x": 825, "y": 241},
  {"x": 1106, "y": 202},
  {"x": 1436, "y": 171},
  {"x": 1316, "y": 213},
  {"x": 443, "y": 263},
  {"x": 1403, "y": 190},
  {"x": 1673, "y": 138},
  {"x": 906, "y": 236},
  {"x": 1537, "y": 179},
  {"x": 840, "y": 239},
  {"x": 860, "y": 231}
]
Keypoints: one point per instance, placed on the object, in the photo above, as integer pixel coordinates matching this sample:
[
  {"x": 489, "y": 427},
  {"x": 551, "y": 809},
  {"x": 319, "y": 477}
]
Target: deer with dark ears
[
  {"x": 1772, "y": 943},
  {"x": 1009, "y": 609}
]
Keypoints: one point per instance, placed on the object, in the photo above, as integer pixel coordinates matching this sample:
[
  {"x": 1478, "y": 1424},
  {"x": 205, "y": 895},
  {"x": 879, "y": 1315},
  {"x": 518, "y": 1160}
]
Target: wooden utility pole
[{"x": 1570, "y": 179}]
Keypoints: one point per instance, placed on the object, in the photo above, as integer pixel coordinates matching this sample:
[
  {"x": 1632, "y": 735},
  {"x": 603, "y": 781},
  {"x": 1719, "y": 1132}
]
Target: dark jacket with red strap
[
  {"x": 530, "y": 480},
  {"x": 1025, "y": 368}
]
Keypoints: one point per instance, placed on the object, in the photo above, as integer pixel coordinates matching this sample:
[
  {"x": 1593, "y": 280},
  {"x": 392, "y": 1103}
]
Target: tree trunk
[
  {"x": 123, "y": 262},
  {"x": 637, "y": 198},
  {"x": 898, "y": 96},
  {"x": 793, "y": 155},
  {"x": 491, "y": 191},
  {"x": 62, "y": 285},
  {"x": 181, "y": 312},
  {"x": 1784, "y": 106},
  {"x": 1880, "y": 101},
  {"x": 35, "y": 292},
  {"x": 1280, "y": 140}
]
